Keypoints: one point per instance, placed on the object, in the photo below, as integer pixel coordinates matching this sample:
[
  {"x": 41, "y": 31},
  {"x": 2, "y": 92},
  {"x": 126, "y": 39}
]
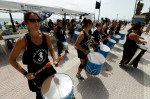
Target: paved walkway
[{"x": 112, "y": 83}]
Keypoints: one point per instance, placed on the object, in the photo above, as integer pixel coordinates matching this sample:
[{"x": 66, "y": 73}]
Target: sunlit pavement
[{"x": 113, "y": 82}]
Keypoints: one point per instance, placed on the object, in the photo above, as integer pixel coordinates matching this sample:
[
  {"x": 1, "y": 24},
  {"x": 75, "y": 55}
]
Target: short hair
[
  {"x": 98, "y": 24},
  {"x": 59, "y": 20}
]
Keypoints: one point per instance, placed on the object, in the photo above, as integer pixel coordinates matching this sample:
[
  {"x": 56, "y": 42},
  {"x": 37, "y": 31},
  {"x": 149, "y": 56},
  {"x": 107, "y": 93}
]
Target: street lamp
[{"x": 117, "y": 17}]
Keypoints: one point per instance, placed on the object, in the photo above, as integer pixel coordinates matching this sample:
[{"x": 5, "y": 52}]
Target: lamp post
[
  {"x": 117, "y": 17},
  {"x": 99, "y": 11}
]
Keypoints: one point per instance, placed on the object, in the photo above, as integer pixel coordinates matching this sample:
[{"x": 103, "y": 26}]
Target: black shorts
[
  {"x": 81, "y": 55},
  {"x": 40, "y": 78}
]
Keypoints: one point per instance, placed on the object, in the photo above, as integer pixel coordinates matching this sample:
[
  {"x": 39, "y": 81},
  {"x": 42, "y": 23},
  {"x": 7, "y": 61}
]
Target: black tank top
[
  {"x": 139, "y": 32},
  {"x": 106, "y": 30},
  {"x": 60, "y": 34},
  {"x": 97, "y": 35},
  {"x": 130, "y": 43},
  {"x": 37, "y": 54},
  {"x": 112, "y": 29},
  {"x": 84, "y": 42}
]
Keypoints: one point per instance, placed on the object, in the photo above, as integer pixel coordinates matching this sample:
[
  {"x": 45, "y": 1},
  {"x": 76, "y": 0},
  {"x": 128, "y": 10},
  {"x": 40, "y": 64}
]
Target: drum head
[
  {"x": 76, "y": 32},
  {"x": 65, "y": 43},
  {"x": 117, "y": 36},
  {"x": 57, "y": 86},
  {"x": 96, "y": 58},
  {"x": 122, "y": 33},
  {"x": 104, "y": 48},
  {"x": 111, "y": 40},
  {"x": 142, "y": 47}
]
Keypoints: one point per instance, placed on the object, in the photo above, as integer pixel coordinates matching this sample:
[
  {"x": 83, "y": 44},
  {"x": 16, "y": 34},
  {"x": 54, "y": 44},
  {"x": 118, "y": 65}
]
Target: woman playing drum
[
  {"x": 130, "y": 45},
  {"x": 36, "y": 46},
  {"x": 82, "y": 46}
]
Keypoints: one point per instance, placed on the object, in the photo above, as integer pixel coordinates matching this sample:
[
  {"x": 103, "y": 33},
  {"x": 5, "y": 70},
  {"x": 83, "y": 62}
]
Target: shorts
[{"x": 81, "y": 55}]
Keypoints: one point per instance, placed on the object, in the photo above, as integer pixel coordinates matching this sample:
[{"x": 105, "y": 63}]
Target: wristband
[{"x": 25, "y": 73}]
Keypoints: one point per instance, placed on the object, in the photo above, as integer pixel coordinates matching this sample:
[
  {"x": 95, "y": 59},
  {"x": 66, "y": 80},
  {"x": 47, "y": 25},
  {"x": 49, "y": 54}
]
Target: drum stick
[
  {"x": 60, "y": 59},
  {"x": 56, "y": 80},
  {"x": 47, "y": 65}
]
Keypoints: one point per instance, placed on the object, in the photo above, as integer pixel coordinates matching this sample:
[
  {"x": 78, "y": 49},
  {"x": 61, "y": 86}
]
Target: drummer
[
  {"x": 104, "y": 30},
  {"x": 141, "y": 26},
  {"x": 118, "y": 27},
  {"x": 60, "y": 36},
  {"x": 82, "y": 46},
  {"x": 130, "y": 46},
  {"x": 36, "y": 45},
  {"x": 97, "y": 36},
  {"x": 112, "y": 27}
]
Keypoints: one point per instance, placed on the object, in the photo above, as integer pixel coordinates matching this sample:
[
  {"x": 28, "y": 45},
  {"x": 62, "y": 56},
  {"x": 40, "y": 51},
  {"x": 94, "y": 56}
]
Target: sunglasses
[{"x": 34, "y": 20}]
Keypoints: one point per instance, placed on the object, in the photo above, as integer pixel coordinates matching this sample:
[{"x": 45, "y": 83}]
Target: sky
[{"x": 109, "y": 8}]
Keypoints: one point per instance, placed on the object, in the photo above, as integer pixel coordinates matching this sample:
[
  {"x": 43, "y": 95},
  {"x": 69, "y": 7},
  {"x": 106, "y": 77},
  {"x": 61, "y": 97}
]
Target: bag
[{"x": 25, "y": 55}]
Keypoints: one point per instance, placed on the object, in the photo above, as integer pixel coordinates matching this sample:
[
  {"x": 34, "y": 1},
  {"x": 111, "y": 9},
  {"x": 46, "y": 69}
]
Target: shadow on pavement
[
  {"x": 111, "y": 57},
  {"x": 116, "y": 49},
  {"x": 106, "y": 69},
  {"x": 92, "y": 88},
  {"x": 4, "y": 58},
  {"x": 138, "y": 75},
  {"x": 146, "y": 62}
]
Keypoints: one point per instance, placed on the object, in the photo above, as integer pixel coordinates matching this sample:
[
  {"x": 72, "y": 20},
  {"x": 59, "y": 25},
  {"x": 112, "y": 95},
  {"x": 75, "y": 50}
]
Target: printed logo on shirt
[
  {"x": 61, "y": 31},
  {"x": 39, "y": 56}
]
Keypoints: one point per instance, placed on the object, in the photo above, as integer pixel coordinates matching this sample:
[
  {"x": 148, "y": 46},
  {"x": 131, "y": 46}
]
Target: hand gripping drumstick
[
  {"x": 47, "y": 65},
  {"x": 60, "y": 59}
]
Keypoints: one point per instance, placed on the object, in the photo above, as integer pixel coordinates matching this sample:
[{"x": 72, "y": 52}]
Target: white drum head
[
  {"x": 51, "y": 90},
  {"x": 111, "y": 40},
  {"x": 104, "y": 48},
  {"x": 143, "y": 47},
  {"x": 117, "y": 36},
  {"x": 96, "y": 58},
  {"x": 122, "y": 33},
  {"x": 65, "y": 43},
  {"x": 76, "y": 32}
]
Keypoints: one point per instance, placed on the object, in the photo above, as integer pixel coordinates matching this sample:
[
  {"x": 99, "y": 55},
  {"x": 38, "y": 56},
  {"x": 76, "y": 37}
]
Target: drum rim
[
  {"x": 95, "y": 63},
  {"x": 118, "y": 36},
  {"x": 53, "y": 75},
  {"x": 113, "y": 40},
  {"x": 105, "y": 46}
]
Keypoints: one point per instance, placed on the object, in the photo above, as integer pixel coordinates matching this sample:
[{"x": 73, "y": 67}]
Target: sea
[{"x": 2, "y": 20}]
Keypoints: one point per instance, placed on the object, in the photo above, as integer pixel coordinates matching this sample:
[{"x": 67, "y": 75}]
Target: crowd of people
[{"x": 36, "y": 45}]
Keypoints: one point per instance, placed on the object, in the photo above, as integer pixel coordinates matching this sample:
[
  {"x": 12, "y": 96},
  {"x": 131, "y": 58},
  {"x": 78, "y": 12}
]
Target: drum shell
[
  {"x": 65, "y": 45},
  {"x": 110, "y": 44},
  {"x": 93, "y": 69},
  {"x": 76, "y": 34},
  {"x": 116, "y": 39},
  {"x": 122, "y": 36},
  {"x": 104, "y": 52}
]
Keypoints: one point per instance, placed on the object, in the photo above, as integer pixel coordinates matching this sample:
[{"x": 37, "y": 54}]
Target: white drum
[
  {"x": 76, "y": 34},
  {"x": 104, "y": 49},
  {"x": 143, "y": 47},
  {"x": 65, "y": 45},
  {"x": 94, "y": 63},
  {"x": 59, "y": 86}
]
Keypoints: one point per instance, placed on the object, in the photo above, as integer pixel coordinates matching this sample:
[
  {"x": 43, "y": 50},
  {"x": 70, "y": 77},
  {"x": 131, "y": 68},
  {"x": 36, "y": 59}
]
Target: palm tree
[
  {"x": 139, "y": 7},
  {"x": 147, "y": 17}
]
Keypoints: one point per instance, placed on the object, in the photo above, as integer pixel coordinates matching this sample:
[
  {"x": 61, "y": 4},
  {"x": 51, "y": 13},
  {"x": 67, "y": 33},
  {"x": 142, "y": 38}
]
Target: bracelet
[{"x": 25, "y": 73}]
